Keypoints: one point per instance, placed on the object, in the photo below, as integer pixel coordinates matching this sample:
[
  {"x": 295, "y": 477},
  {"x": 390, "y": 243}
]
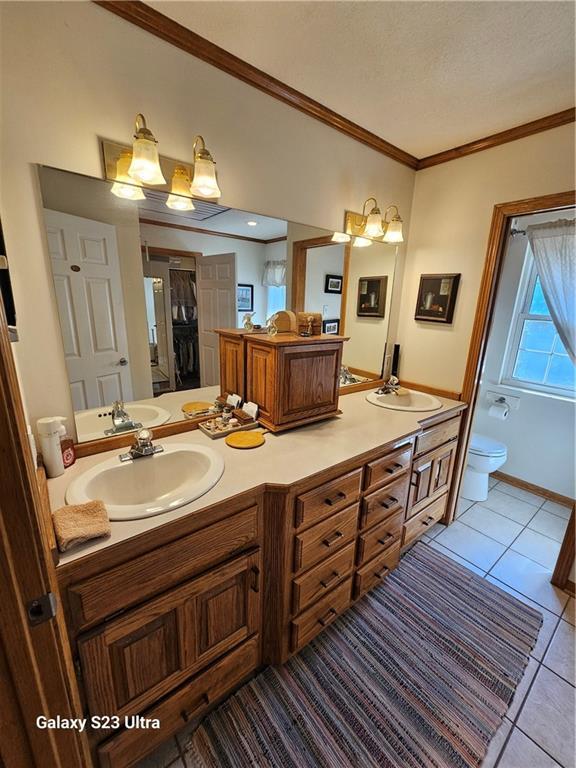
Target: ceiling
[{"x": 425, "y": 76}]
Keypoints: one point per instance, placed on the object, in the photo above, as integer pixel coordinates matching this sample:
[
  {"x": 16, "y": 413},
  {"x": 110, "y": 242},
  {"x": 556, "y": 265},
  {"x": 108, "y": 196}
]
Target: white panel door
[
  {"x": 216, "y": 284},
  {"x": 86, "y": 270}
]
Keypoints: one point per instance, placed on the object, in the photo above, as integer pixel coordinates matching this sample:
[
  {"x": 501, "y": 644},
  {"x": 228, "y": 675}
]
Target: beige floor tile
[
  {"x": 557, "y": 509},
  {"x": 462, "y": 505},
  {"x": 547, "y": 716},
  {"x": 166, "y": 755},
  {"x": 471, "y": 545},
  {"x": 435, "y": 530},
  {"x": 496, "y": 744},
  {"x": 569, "y": 614},
  {"x": 522, "y": 689},
  {"x": 549, "y": 624},
  {"x": 531, "y": 579},
  {"x": 496, "y": 526},
  {"x": 453, "y": 556},
  {"x": 537, "y": 547},
  {"x": 520, "y": 493},
  {"x": 521, "y": 752},
  {"x": 560, "y": 656},
  {"x": 549, "y": 524},
  {"x": 510, "y": 506},
  {"x": 492, "y": 481}
]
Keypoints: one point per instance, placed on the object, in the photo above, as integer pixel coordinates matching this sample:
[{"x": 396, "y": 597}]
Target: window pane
[
  {"x": 530, "y": 366},
  {"x": 559, "y": 348},
  {"x": 561, "y": 372},
  {"x": 538, "y": 304},
  {"x": 538, "y": 335}
]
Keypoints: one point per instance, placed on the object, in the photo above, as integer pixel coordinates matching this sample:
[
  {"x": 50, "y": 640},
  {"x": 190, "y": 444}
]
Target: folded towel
[{"x": 78, "y": 523}]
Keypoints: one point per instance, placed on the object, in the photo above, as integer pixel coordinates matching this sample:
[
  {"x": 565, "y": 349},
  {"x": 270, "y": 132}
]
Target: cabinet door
[
  {"x": 135, "y": 659},
  {"x": 260, "y": 377},
  {"x": 431, "y": 476},
  {"x": 232, "y": 365},
  {"x": 308, "y": 381}
]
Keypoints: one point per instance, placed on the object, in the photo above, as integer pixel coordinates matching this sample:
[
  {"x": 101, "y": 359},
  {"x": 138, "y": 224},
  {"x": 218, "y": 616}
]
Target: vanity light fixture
[
  {"x": 204, "y": 182},
  {"x": 361, "y": 242},
  {"x": 179, "y": 199},
  {"x": 340, "y": 237},
  {"x": 145, "y": 165},
  {"x": 124, "y": 186},
  {"x": 373, "y": 226},
  {"x": 393, "y": 231}
]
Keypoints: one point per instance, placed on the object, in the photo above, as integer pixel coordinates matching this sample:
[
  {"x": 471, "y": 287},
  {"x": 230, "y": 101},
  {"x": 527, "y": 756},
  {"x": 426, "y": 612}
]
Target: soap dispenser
[{"x": 49, "y": 432}]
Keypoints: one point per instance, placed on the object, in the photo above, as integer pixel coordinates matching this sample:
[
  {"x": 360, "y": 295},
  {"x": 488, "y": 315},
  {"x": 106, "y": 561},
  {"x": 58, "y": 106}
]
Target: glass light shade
[
  {"x": 373, "y": 226},
  {"x": 393, "y": 232},
  {"x": 179, "y": 199},
  {"x": 204, "y": 183},
  {"x": 145, "y": 165},
  {"x": 340, "y": 237},
  {"x": 124, "y": 186},
  {"x": 361, "y": 242}
]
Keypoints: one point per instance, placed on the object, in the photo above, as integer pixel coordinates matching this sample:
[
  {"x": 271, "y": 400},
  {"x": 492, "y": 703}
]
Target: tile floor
[{"x": 512, "y": 539}]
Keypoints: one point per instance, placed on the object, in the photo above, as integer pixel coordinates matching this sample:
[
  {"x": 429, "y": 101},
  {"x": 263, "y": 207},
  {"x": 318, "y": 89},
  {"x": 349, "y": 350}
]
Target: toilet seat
[{"x": 480, "y": 445}]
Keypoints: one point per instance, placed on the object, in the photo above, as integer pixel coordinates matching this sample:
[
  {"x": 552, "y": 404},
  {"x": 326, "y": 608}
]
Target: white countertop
[{"x": 285, "y": 458}]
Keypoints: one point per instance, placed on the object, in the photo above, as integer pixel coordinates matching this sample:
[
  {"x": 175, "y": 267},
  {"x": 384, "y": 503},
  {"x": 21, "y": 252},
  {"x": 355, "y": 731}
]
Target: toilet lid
[{"x": 485, "y": 446}]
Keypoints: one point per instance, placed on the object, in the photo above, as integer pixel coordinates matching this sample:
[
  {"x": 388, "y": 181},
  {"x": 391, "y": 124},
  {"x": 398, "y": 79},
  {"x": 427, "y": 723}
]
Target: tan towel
[{"x": 78, "y": 523}]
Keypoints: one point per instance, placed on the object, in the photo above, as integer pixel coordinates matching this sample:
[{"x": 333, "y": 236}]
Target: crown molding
[{"x": 161, "y": 26}]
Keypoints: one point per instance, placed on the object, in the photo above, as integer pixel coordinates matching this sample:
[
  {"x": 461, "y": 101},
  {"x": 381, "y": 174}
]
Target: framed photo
[
  {"x": 372, "y": 296},
  {"x": 333, "y": 284},
  {"x": 437, "y": 298},
  {"x": 245, "y": 297},
  {"x": 331, "y": 326}
]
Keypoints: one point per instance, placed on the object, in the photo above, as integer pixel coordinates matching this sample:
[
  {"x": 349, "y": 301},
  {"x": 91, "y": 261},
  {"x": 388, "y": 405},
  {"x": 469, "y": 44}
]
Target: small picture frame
[
  {"x": 333, "y": 284},
  {"x": 437, "y": 298},
  {"x": 372, "y": 296},
  {"x": 245, "y": 297},
  {"x": 331, "y": 326}
]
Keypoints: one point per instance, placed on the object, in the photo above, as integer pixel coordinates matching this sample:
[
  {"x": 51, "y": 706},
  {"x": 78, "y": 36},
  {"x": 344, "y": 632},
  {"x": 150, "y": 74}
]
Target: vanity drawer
[
  {"x": 373, "y": 572},
  {"x": 324, "y": 576},
  {"x": 424, "y": 520},
  {"x": 383, "y": 470},
  {"x": 100, "y": 596},
  {"x": 383, "y": 503},
  {"x": 328, "y": 498},
  {"x": 380, "y": 537},
  {"x": 189, "y": 701},
  {"x": 324, "y": 538},
  {"x": 322, "y": 613},
  {"x": 437, "y": 435}
]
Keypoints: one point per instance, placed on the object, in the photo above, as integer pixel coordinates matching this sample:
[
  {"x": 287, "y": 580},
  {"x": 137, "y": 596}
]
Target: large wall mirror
[{"x": 140, "y": 287}]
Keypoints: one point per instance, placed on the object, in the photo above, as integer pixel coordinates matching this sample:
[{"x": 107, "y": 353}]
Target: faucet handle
[{"x": 144, "y": 438}]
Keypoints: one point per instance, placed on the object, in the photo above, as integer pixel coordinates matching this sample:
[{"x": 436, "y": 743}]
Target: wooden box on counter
[{"x": 293, "y": 379}]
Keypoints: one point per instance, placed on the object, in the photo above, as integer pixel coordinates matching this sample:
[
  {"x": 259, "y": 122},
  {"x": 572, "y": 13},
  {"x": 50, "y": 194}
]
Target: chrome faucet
[
  {"x": 121, "y": 421},
  {"x": 391, "y": 387},
  {"x": 141, "y": 447}
]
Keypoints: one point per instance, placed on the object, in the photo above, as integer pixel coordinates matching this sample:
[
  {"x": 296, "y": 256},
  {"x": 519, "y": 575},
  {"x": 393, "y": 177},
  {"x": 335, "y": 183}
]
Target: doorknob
[{"x": 122, "y": 361}]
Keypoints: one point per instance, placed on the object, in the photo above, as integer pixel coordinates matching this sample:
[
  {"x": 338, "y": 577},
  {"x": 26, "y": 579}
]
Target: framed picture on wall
[
  {"x": 333, "y": 284},
  {"x": 372, "y": 296},
  {"x": 245, "y": 297},
  {"x": 437, "y": 298},
  {"x": 331, "y": 326}
]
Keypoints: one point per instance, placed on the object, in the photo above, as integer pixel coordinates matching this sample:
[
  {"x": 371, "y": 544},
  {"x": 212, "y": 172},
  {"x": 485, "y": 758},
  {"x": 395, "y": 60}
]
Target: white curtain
[
  {"x": 554, "y": 247},
  {"x": 274, "y": 273}
]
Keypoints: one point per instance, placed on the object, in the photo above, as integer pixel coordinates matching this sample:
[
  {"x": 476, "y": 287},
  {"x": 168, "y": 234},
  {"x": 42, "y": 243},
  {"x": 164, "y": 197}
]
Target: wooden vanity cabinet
[{"x": 232, "y": 353}]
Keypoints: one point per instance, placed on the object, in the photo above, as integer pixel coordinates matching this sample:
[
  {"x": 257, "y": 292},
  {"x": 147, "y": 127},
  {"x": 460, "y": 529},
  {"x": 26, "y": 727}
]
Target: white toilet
[{"x": 484, "y": 456}]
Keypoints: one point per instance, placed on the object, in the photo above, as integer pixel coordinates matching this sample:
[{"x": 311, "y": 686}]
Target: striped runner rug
[{"x": 419, "y": 673}]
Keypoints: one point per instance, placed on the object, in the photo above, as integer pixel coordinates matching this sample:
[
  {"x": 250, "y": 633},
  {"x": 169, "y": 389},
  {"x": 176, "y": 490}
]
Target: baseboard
[
  {"x": 518, "y": 483},
  {"x": 432, "y": 390},
  {"x": 570, "y": 587}
]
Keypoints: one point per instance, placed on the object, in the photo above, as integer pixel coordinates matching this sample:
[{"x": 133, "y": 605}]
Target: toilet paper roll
[{"x": 499, "y": 411}]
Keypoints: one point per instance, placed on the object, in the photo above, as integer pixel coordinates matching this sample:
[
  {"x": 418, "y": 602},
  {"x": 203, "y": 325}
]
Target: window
[
  {"x": 276, "y": 299},
  {"x": 535, "y": 356}
]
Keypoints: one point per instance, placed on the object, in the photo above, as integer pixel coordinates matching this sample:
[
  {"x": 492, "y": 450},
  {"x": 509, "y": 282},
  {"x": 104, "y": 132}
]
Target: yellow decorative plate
[
  {"x": 245, "y": 439},
  {"x": 191, "y": 408}
]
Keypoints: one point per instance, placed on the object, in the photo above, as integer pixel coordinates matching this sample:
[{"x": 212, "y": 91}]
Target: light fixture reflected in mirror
[
  {"x": 340, "y": 237},
  {"x": 179, "y": 199},
  {"x": 204, "y": 182},
  {"x": 145, "y": 165},
  {"x": 361, "y": 242},
  {"x": 124, "y": 186}
]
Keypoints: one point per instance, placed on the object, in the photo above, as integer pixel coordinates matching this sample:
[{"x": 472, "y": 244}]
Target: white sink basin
[
  {"x": 91, "y": 424},
  {"x": 151, "y": 485},
  {"x": 412, "y": 401}
]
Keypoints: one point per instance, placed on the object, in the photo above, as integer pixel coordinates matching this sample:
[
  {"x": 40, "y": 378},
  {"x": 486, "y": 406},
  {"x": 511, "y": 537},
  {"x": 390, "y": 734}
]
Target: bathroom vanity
[{"x": 172, "y": 613}]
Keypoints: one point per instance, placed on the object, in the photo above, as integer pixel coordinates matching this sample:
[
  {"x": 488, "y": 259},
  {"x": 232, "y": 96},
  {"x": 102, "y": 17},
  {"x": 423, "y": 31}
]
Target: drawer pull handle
[
  {"x": 188, "y": 714},
  {"x": 386, "y": 539},
  {"x": 386, "y": 505},
  {"x": 327, "y": 618},
  {"x": 255, "y": 586},
  {"x": 426, "y": 522},
  {"x": 382, "y": 573},
  {"x": 394, "y": 468},
  {"x": 333, "y": 538},
  {"x": 331, "y": 500},
  {"x": 326, "y": 583}
]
